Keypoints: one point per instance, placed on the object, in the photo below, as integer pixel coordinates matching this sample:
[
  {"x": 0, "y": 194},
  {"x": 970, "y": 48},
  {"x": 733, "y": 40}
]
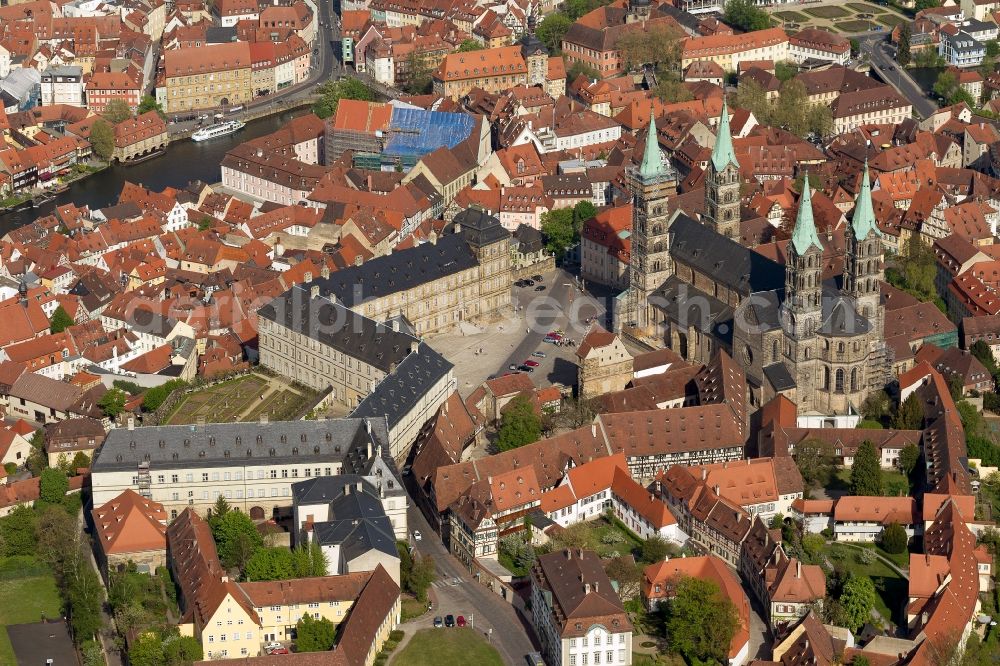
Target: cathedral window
[
  {"x": 748, "y": 355},
  {"x": 826, "y": 378},
  {"x": 854, "y": 379},
  {"x": 774, "y": 351},
  {"x": 839, "y": 388}
]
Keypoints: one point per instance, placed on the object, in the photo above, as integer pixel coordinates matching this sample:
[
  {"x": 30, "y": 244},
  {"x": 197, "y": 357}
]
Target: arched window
[
  {"x": 854, "y": 379},
  {"x": 839, "y": 386},
  {"x": 826, "y": 378},
  {"x": 774, "y": 351}
]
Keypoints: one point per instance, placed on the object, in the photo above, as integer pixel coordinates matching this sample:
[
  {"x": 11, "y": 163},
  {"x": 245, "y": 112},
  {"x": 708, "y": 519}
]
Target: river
[{"x": 182, "y": 162}]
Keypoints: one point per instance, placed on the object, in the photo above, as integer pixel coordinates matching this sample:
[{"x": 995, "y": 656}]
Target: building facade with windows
[
  {"x": 210, "y": 76},
  {"x": 252, "y": 465}
]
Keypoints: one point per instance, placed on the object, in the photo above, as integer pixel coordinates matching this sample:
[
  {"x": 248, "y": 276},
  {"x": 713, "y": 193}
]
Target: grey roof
[
  {"x": 220, "y": 35},
  {"x": 528, "y": 239},
  {"x": 397, "y": 393},
  {"x": 336, "y": 326},
  {"x": 325, "y": 489},
  {"x": 63, "y": 70},
  {"x": 683, "y": 304},
  {"x": 123, "y": 211},
  {"x": 479, "y": 228},
  {"x": 358, "y": 536},
  {"x": 398, "y": 271},
  {"x": 779, "y": 377},
  {"x": 222, "y": 444},
  {"x": 735, "y": 266}
]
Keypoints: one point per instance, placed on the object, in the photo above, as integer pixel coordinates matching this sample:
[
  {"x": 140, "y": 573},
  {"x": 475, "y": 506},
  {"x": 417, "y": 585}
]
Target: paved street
[
  {"x": 877, "y": 47},
  {"x": 511, "y": 636}
]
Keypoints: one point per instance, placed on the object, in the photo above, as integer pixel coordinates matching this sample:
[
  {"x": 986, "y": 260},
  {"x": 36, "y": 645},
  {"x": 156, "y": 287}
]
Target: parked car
[
  {"x": 525, "y": 368},
  {"x": 280, "y": 650},
  {"x": 531, "y": 364},
  {"x": 438, "y": 623},
  {"x": 536, "y": 278},
  {"x": 272, "y": 646},
  {"x": 449, "y": 620},
  {"x": 539, "y": 354},
  {"x": 535, "y": 659},
  {"x": 460, "y": 621},
  {"x": 529, "y": 283},
  {"x": 417, "y": 536},
  {"x": 540, "y": 287},
  {"x": 512, "y": 366}
]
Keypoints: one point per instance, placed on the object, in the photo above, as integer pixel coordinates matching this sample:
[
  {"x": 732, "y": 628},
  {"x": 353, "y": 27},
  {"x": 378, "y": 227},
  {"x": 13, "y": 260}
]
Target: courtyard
[
  {"x": 847, "y": 18},
  {"x": 446, "y": 647},
  {"x": 244, "y": 398}
]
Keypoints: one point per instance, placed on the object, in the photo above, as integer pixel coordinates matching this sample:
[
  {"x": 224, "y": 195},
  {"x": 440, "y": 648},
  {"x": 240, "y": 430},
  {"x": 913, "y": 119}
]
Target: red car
[
  {"x": 531, "y": 364},
  {"x": 460, "y": 622},
  {"x": 281, "y": 650}
]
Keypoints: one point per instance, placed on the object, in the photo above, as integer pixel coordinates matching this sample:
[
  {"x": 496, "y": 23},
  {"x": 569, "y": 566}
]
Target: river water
[{"x": 182, "y": 162}]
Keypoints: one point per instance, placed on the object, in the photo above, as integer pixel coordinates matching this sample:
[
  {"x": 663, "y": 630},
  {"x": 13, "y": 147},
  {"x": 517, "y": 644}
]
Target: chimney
[
  {"x": 716, "y": 489},
  {"x": 593, "y": 430},
  {"x": 359, "y": 487},
  {"x": 314, "y": 291},
  {"x": 458, "y": 228},
  {"x": 263, "y": 419},
  {"x": 131, "y": 423},
  {"x": 395, "y": 326},
  {"x": 325, "y": 272},
  {"x": 347, "y": 489},
  {"x": 704, "y": 474},
  {"x": 414, "y": 346},
  {"x": 595, "y": 586},
  {"x": 569, "y": 554},
  {"x": 798, "y": 568},
  {"x": 586, "y": 588}
]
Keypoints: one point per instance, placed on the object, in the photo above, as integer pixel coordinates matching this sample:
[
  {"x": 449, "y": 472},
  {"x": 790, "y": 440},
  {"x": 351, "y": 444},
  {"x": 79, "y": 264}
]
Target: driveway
[{"x": 458, "y": 593}]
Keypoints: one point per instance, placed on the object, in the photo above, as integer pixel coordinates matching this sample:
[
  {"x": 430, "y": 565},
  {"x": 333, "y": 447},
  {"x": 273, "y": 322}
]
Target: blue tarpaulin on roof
[{"x": 417, "y": 132}]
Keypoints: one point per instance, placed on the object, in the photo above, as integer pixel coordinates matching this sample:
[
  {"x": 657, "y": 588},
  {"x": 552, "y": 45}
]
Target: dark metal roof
[
  {"x": 398, "y": 392},
  {"x": 336, "y": 326},
  {"x": 779, "y": 377}
]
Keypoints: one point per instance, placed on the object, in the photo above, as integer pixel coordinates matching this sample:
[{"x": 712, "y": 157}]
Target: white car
[
  {"x": 272, "y": 646},
  {"x": 417, "y": 535}
]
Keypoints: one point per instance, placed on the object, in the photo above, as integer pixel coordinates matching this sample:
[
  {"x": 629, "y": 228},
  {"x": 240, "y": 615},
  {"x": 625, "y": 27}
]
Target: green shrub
[{"x": 396, "y": 635}]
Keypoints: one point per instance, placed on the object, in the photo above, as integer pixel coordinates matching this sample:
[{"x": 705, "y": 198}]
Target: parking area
[
  {"x": 42, "y": 643},
  {"x": 481, "y": 352}
]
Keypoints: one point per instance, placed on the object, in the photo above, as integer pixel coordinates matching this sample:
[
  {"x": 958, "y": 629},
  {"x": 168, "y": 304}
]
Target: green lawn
[
  {"x": 25, "y": 599},
  {"x": 891, "y": 587},
  {"x": 827, "y": 12},
  {"x": 894, "y": 483},
  {"x": 855, "y": 26},
  {"x": 864, "y": 8},
  {"x": 891, "y": 20},
  {"x": 412, "y": 608},
  {"x": 227, "y": 401},
  {"x": 794, "y": 17},
  {"x": 446, "y": 647}
]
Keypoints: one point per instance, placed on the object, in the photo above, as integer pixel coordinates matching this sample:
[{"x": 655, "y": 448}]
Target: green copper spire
[
  {"x": 723, "y": 154},
  {"x": 804, "y": 235},
  {"x": 863, "y": 220},
  {"x": 652, "y": 159}
]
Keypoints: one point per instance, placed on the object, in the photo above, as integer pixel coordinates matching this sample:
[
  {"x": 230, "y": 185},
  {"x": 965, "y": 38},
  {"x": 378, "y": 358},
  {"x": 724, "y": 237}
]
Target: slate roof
[
  {"x": 399, "y": 271},
  {"x": 219, "y": 444},
  {"x": 359, "y": 525},
  {"x": 735, "y": 266},
  {"x": 840, "y": 317},
  {"x": 338, "y": 327},
  {"x": 397, "y": 393}
]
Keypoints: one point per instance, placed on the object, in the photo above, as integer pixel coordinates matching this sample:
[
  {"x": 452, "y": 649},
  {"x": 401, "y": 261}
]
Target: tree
[
  {"x": 582, "y": 211},
  {"x": 894, "y": 539},
  {"x": 117, "y": 110},
  {"x": 60, "y": 321},
  {"x": 857, "y": 599},
  {"x": 146, "y": 650},
  {"x": 558, "y": 231},
  {"x": 657, "y": 45},
  {"x": 419, "y": 76},
  {"x": 855, "y": 47},
  {"x": 785, "y": 70},
  {"x": 910, "y": 415},
  {"x": 671, "y": 89},
  {"x": 314, "y": 635},
  {"x": 331, "y": 92},
  {"x": 421, "y": 576},
  {"x": 984, "y": 355},
  {"x": 102, "y": 139},
  {"x": 700, "y": 621},
  {"x": 53, "y": 486},
  {"x": 992, "y": 48},
  {"x": 92, "y": 653},
  {"x": 181, "y": 650},
  {"x": 920, "y": 5},
  {"x": 654, "y": 549},
  {"x": 875, "y": 406},
  {"x": 270, "y": 564},
  {"x": 948, "y": 87},
  {"x": 815, "y": 460},
  {"x": 149, "y": 103},
  {"x": 80, "y": 461},
  {"x": 519, "y": 424},
  {"x": 866, "y": 472},
  {"x": 627, "y": 573},
  {"x": 580, "y": 68},
  {"x": 18, "y": 532},
  {"x": 237, "y": 539},
  {"x": 903, "y": 52},
  {"x": 113, "y": 402},
  {"x": 908, "y": 458},
  {"x": 157, "y": 395},
  {"x": 469, "y": 45},
  {"x": 746, "y": 15},
  {"x": 551, "y": 31},
  {"x": 813, "y": 546}
]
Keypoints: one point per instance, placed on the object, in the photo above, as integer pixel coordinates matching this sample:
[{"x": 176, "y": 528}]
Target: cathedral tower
[
  {"x": 804, "y": 272},
  {"x": 650, "y": 184},
  {"x": 863, "y": 270},
  {"x": 722, "y": 183}
]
